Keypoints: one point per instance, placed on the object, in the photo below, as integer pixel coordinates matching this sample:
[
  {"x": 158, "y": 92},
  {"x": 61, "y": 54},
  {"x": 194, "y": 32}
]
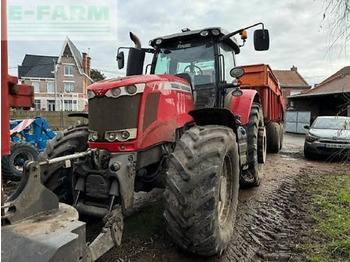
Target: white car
[{"x": 328, "y": 136}]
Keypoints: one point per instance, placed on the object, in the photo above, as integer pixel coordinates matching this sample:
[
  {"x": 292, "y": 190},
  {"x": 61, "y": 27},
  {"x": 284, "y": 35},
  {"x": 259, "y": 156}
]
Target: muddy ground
[
  {"x": 270, "y": 219},
  {"x": 269, "y": 224}
]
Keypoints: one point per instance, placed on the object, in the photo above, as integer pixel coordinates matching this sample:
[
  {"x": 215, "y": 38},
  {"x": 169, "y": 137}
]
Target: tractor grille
[{"x": 107, "y": 114}]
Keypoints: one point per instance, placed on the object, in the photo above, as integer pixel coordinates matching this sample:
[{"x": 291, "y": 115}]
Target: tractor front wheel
[
  {"x": 56, "y": 177},
  {"x": 201, "y": 193},
  {"x": 12, "y": 165}
]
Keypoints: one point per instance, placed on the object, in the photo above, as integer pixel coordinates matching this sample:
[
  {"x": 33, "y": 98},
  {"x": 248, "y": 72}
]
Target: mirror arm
[
  {"x": 147, "y": 50},
  {"x": 240, "y": 31}
]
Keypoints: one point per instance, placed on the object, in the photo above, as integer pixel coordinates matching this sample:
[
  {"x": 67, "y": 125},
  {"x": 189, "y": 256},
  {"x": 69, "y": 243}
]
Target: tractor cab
[{"x": 200, "y": 58}]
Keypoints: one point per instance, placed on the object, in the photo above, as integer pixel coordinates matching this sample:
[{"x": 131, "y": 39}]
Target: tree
[
  {"x": 336, "y": 17},
  {"x": 97, "y": 75}
]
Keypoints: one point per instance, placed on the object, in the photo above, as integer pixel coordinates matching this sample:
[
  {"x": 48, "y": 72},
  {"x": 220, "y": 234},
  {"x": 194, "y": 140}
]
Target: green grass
[{"x": 331, "y": 212}]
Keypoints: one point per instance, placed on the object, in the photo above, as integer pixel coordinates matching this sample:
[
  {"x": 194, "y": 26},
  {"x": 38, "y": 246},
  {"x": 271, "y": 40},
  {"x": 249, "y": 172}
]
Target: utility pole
[{"x": 55, "y": 82}]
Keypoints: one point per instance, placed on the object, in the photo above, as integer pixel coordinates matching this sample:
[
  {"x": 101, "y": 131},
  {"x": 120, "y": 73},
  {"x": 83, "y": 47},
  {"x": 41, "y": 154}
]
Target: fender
[
  {"x": 214, "y": 116},
  {"x": 240, "y": 106}
]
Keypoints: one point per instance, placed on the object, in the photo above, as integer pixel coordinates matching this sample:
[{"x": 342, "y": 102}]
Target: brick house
[
  {"x": 291, "y": 82},
  {"x": 60, "y": 82}
]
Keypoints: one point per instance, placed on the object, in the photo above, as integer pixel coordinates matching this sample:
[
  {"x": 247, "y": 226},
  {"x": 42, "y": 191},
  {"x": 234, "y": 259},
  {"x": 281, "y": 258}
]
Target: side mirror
[
  {"x": 261, "y": 40},
  {"x": 237, "y": 72},
  {"x": 307, "y": 127},
  {"x": 120, "y": 59}
]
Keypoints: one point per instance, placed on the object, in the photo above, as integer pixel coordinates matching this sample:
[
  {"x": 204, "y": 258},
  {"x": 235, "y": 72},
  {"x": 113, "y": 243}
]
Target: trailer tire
[
  {"x": 281, "y": 135},
  {"x": 201, "y": 192},
  {"x": 273, "y": 137},
  {"x": 252, "y": 176},
  {"x": 12, "y": 165},
  {"x": 55, "y": 177}
]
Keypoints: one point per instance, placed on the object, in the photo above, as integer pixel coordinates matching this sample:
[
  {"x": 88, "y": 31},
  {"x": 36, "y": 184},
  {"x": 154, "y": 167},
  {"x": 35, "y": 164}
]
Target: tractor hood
[{"x": 102, "y": 87}]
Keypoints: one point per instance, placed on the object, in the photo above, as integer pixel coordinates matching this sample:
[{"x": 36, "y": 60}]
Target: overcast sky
[{"x": 297, "y": 34}]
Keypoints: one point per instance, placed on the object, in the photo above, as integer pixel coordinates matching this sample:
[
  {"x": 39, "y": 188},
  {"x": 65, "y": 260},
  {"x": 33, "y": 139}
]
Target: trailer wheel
[
  {"x": 281, "y": 135},
  {"x": 12, "y": 165},
  {"x": 256, "y": 147},
  {"x": 273, "y": 137},
  {"x": 55, "y": 177},
  {"x": 201, "y": 192}
]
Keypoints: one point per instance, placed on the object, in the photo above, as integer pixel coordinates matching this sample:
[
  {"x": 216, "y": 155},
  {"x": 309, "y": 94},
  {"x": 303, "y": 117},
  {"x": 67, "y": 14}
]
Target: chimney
[
  {"x": 84, "y": 62},
  {"x": 294, "y": 68},
  {"x": 88, "y": 67}
]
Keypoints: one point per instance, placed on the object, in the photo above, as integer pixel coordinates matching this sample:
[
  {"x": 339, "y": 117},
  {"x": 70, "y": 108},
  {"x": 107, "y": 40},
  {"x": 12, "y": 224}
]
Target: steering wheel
[{"x": 200, "y": 70}]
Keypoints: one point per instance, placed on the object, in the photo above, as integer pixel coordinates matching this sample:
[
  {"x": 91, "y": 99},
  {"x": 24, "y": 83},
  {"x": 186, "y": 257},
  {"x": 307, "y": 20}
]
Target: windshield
[
  {"x": 197, "y": 61},
  {"x": 330, "y": 123}
]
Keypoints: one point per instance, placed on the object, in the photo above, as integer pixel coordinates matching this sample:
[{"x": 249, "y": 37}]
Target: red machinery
[{"x": 187, "y": 127}]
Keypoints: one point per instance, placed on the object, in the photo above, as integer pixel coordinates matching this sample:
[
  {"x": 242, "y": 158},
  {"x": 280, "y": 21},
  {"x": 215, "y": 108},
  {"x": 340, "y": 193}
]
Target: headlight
[
  {"x": 93, "y": 136},
  {"x": 111, "y": 136},
  {"x": 90, "y": 94},
  {"x": 131, "y": 89},
  {"x": 215, "y": 32},
  {"x": 204, "y": 33},
  {"x": 125, "y": 134},
  {"x": 121, "y": 135},
  {"x": 311, "y": 138},
  {"x": 115, "y": 92}
]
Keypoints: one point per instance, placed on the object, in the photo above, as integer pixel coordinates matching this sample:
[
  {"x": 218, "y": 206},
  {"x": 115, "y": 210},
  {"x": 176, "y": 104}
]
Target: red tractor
[{"x": 175, "y": 128}]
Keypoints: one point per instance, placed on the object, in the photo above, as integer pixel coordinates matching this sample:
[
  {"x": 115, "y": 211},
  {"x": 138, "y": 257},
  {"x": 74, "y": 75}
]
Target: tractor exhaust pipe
[
  {"x": 136, "y": 40},
  {"x": 136, "y": 57}
]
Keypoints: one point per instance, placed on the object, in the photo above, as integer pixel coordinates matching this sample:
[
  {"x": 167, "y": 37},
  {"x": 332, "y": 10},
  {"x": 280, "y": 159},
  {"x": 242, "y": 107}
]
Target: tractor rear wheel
[
  {"x": 201, "y": 192},
  {"x": 256, "y": 138},
  {"x": 273, "y": 137},
  {"x": 56, "y": 177},
  {"x": 12, "y": 165}
]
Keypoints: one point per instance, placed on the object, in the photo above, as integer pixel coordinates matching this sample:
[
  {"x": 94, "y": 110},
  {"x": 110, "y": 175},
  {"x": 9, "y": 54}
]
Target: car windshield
[
  {"x": 197, "y": 61},
  {"x": 331, "y": 123}
]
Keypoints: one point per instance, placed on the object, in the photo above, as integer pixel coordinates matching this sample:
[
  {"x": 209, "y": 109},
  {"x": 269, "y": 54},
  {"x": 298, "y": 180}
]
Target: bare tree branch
[{"x": 336, "y": 18}]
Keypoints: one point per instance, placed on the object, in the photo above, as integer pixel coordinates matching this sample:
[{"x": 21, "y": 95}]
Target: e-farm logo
[{"x": 50, "y": 20}]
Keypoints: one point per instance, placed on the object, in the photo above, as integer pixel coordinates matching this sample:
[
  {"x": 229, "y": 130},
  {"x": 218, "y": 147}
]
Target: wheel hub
[{"x": 225, "y": 187}]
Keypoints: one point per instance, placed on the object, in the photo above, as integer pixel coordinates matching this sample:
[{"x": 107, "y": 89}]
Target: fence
[{"x": 57, "y": 120}]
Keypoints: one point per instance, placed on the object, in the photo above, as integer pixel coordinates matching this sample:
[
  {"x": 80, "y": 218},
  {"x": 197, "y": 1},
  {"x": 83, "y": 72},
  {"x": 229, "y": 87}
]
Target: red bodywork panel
[
  {"x": 12, "y": 95},
  {"x": 174, "y": 103},
  {"x": 261, "y": 78},
  {"x": 241, "y": 105}
]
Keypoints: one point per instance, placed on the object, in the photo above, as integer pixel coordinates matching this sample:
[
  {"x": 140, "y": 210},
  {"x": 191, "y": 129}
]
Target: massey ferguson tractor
[{"x": 195, "y": 126}]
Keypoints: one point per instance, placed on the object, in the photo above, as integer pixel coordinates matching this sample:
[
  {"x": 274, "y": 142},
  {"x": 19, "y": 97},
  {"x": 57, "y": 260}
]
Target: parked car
[{"x": 328, "y": 136}]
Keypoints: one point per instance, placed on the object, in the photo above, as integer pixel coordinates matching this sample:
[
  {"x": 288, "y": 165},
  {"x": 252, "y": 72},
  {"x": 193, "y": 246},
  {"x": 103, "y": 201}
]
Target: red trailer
[{"x": 261, "y": 78}]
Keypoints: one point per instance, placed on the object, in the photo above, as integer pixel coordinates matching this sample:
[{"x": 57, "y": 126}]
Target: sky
[{"x": 298, "y": 35}]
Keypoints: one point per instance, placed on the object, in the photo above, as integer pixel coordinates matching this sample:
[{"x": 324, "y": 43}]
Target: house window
[
  {"x": 36, "y": 86},
  {"x": 37, "y": 104},
  {"x": 68, "y": 87},
  {"x": 70, "y": 105},
  {"x": 292, "y": 93},
  {"x": 68, "y": 70},
  {"x": 51, "y": 87},
  {"x": 51, "y": 105}
]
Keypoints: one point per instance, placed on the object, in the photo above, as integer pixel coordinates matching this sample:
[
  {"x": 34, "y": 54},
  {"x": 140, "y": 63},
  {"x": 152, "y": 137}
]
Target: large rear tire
[
  {"x": 12, "y": 165},
  {"x": 56, "y": 177},
  {"x": 273, "y": 137},
  {"x": 201, "y": 194},
  {"x": 256, "y": 138}
]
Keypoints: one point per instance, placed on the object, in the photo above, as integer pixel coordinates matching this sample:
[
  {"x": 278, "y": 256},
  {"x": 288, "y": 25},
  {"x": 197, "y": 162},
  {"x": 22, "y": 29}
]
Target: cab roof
[{"x": 188, "y": 35}]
